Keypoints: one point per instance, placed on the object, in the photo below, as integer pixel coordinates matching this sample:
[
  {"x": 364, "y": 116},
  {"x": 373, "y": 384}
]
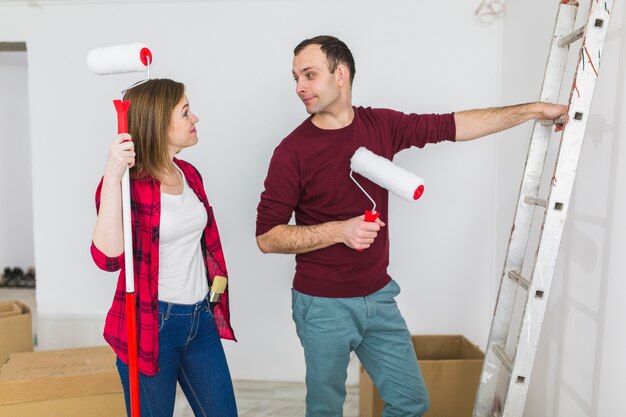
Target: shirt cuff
[{"x": 104, "y": 262}]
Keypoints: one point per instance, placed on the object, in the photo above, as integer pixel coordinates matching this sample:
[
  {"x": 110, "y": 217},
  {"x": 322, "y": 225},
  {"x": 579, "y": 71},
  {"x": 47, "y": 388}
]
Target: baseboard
[{"x": 56, "y": 331}]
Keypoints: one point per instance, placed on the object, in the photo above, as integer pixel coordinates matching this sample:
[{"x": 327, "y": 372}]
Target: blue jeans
[
  {"x": 190, "y": 352},
  {"x": 372, "y": 326}
]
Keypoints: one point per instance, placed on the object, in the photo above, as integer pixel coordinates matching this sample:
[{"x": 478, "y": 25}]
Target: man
[{"x": 343, "y": 298}]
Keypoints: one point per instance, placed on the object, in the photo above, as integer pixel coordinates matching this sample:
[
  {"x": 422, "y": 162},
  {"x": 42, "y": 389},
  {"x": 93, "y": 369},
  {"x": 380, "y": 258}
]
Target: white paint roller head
[
  {"x": 388, "y": 175},
  {"x": 119, "y": 59}
]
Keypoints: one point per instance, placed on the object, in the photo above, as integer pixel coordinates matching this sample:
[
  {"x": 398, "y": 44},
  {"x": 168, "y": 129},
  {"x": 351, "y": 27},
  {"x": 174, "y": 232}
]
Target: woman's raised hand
[{"x": 121, "y": 156}]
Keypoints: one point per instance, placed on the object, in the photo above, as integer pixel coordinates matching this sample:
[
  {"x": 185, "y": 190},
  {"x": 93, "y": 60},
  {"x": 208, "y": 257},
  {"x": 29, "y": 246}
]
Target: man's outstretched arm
[{"x": 473, "y": 124}]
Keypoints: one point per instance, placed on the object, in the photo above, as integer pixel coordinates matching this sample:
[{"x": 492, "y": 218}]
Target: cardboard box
[
  {"x": 62, "y": 383},
  {"x": 451, "y": 366},
  {"x": 16, "y": 329}
]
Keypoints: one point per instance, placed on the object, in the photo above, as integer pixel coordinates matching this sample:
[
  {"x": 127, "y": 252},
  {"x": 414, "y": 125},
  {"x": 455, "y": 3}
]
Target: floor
[
  {"x": 271, "y": 399},
  {"x": 254, "y": 398}
]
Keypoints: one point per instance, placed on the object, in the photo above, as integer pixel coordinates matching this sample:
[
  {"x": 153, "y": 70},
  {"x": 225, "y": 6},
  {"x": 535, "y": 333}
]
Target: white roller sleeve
[
  {"x": 388, "y": 175},
  {"x": 119, "y": 59}
]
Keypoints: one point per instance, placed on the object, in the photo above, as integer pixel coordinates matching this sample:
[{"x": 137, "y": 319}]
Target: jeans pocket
[
  {"x": 309, "y": 308},
  {"x": 308, "y": 303},
  {"x": 300, "y": 305}
]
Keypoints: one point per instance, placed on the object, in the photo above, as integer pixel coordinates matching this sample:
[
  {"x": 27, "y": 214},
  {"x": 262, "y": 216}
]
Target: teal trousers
[{"x": 372, "y": 326}]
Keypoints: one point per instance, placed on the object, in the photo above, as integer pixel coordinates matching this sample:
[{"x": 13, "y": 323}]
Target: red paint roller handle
[
  {"x": 133, "y": 366},
  {"x": 371, "y": 218},
  {"x": 122, "y": 115}
]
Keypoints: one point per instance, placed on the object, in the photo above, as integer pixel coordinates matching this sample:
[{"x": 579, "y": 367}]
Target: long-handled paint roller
[
  {"x": 116, "y": 60},
  {"x": 388, "y": 175}
]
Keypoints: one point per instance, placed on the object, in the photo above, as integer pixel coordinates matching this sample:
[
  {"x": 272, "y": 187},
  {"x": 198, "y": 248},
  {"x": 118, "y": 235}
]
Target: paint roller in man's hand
[
  {"x": 388, "y": 175},
  {"x": 117, "y": 60}
]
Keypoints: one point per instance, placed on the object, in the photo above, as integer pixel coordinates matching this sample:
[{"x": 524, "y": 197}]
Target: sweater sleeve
[
  {"x": 282, "y": 191},
  {"x": 421, "y": 129}
]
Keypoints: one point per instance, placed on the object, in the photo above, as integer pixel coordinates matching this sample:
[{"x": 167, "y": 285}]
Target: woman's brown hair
[{"x": 149, "y": 116}]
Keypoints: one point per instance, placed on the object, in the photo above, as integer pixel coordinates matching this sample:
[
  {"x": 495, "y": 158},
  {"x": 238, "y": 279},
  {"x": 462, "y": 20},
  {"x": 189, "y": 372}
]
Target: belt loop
[
  {"x": 167, "y": 312},
  {"x": 208, "y": 304}
]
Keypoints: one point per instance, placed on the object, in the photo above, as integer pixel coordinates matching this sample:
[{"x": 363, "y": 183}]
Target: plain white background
[{"x": 446, "y": 250}]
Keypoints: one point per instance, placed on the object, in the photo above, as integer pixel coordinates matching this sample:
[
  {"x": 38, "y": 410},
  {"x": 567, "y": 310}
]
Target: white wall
[
  {"x": 235, "y": 58},
  {"x": 579, "y": 369},
  {"x": 16, "y": 203}
]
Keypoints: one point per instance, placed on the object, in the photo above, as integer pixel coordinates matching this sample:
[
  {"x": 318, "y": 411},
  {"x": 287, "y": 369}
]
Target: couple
[{"x": 178, "y": 251}]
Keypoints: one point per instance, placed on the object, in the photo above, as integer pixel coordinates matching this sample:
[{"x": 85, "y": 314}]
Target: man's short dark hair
[{"x": 336, "y": 52}]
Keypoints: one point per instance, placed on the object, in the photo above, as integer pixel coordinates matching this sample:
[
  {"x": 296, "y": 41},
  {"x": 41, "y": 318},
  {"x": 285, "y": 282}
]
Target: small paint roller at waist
[
  {"x": 217, "y": 289},
  {"x": 119, "y": 59},
  {"x": 388, "y": 175}
]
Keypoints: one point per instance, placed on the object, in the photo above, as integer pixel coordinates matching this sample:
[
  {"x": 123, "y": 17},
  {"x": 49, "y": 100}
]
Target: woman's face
[{"x": 182, "y": 131}]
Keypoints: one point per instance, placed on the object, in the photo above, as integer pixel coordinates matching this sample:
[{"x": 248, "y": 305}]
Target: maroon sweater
[{"x": 309, "y": 175}]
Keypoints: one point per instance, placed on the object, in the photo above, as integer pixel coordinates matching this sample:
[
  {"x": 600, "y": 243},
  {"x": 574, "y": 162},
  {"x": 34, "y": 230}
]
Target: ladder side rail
[
  {"x": 553, "y": 79},
  {"x": 560, "y": 193}
]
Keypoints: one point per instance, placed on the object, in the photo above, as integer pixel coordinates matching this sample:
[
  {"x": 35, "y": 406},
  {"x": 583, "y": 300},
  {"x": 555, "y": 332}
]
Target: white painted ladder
[{"x": 508, "y": 366}]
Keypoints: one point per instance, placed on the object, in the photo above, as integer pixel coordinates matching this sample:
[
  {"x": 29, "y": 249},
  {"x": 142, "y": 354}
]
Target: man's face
[{"x": 315, "y": 85}]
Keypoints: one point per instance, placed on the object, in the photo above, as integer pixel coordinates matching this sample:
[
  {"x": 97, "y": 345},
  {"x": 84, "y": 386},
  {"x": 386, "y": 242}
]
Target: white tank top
[{"x": 182, "y": 276}]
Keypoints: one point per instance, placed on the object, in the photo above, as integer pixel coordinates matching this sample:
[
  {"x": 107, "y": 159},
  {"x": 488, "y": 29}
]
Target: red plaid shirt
[{"x": 146, "y": 216}]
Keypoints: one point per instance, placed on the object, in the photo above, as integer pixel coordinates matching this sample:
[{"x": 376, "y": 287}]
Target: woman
[{"x": 176, "y": 251}]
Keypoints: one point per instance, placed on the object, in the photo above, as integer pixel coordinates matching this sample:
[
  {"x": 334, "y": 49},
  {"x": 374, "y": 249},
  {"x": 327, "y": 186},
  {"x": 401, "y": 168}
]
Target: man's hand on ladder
[{"x": 554, "y": 114}]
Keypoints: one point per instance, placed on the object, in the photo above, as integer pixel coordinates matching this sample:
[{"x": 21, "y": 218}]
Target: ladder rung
[
  {"x": 521, "y": 281},
  {"x": 572, "y": 37},
  {"x": 536, "y": 201},
  {"x": 504, "y": 358}
]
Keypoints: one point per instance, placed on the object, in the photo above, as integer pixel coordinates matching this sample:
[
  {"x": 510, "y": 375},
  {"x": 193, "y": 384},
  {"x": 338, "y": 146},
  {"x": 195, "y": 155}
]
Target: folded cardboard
[
  {"x": 451, "y": 367},
  {"x": 16, "y": 329},
  {"x": 61, "y": 383}
]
